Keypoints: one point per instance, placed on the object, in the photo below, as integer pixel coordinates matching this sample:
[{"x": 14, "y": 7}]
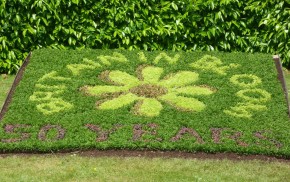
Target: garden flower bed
[{"x": 117, "y": 99}]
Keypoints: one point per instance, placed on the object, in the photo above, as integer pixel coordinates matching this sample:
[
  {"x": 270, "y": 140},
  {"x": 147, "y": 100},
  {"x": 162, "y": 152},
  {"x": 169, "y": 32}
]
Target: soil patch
[{"x": 156, "y": 154}]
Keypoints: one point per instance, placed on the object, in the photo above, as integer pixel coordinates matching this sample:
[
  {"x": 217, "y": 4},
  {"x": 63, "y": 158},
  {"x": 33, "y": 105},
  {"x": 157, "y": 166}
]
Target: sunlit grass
[
  {"x": 287, "y": 78},
  {"x": 76, "y": 168},
  {"x": 5, "y": 84}
]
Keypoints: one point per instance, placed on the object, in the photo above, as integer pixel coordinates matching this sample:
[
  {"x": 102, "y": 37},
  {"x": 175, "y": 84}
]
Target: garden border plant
[
  {"x": 61, "y": 106},
  {"x": 226, "y": 25}
]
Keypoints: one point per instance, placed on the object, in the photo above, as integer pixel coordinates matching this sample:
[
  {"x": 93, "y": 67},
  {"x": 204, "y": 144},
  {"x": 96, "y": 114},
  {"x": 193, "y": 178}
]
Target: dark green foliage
[
  {"x": 226, "y": 25},
  {"x": 83, "y": 126}
]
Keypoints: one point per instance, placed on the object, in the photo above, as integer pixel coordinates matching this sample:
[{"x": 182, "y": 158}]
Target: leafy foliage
[
  {"x": 210, "y": 108},
  {"x": 226, "y": 25}
]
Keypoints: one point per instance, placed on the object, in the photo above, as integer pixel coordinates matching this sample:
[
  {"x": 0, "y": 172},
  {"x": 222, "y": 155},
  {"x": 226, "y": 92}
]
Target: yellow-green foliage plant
[{"x": 116, "y": 99}]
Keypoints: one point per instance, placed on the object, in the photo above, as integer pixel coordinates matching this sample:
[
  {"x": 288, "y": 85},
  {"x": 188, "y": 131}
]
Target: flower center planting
[{"x": 149, "y": 91}]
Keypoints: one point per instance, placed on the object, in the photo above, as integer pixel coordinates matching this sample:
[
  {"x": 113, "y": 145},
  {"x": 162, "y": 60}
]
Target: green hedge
[{"x": 224, "y": 25}]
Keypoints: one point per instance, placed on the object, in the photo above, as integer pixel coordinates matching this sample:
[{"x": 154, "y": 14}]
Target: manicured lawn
[
  {"x": 75, "y": 168},
  {"x": 115, "y": 99},
  {"x": 287, "y": 78},
  {"x": 5, "y": 84},
  {"x": 72, "y": 167}
]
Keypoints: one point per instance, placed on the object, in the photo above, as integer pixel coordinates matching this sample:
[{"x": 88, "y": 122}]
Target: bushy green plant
[
  {"x": 157, "y": 100},
  {"x": 225, "y": 25},
  {"x": 273, "y": 32}
]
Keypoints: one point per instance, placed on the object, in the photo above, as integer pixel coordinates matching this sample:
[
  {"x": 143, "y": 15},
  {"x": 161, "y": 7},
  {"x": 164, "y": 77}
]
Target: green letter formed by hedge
[
  {"x": 170, "y": 60},
  {"x": 117, "y": 57},
  {"x": 213, "y": 64},
  {"x": 88, "y": 64},
  {"x": 244, "y": 110}
]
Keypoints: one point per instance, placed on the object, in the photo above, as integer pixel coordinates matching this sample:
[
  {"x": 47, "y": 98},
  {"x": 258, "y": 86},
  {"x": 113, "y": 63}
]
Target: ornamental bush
[{"x": 223, "y": 25}]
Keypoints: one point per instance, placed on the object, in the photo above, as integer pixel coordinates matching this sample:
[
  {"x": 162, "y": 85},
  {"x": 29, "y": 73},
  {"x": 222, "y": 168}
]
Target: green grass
[
  {"x": 168, "y": 101},
  {"x": 76, "y": 168},
  {"x": 287, "y": 78},
  {"x": 5, "y": 84}
]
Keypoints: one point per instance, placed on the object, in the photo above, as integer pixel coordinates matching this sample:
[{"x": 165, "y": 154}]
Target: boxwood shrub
[{"x": 220, "y": 25}]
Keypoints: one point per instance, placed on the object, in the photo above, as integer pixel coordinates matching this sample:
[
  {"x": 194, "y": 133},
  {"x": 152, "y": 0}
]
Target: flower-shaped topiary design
[{"x": 147, "y": 91}]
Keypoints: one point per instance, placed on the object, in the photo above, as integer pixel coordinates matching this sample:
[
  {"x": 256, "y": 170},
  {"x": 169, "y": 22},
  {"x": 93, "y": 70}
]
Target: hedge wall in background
[{"x": 224, "y": 25}]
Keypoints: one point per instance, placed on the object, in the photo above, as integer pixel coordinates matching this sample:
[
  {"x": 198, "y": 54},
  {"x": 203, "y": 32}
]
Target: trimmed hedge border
[{"x": 226, "y": 25}]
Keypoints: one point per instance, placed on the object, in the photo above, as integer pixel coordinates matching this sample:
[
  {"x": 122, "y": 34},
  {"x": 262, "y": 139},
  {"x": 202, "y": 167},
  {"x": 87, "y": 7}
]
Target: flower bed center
[{"x": 148, "y": 90}]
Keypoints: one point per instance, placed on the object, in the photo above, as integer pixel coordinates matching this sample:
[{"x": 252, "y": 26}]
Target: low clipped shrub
[
  {"x": 211, "y": 102},
  {"x": 224, "y": 25}
]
